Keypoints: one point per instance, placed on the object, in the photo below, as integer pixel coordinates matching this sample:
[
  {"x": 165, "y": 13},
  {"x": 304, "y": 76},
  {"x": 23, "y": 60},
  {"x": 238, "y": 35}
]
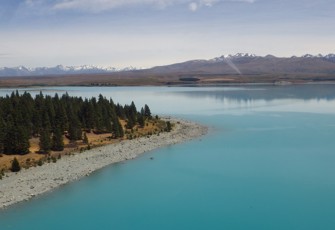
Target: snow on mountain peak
[
  {"x": 308, "y": 56},
  {"x": 235, "y": 56},
  {"x": 240, "y": 55},
  {"x": 59, "y": 70},
  {"x": 332, "y": 56},
  {"x": 248, "y": 55}
]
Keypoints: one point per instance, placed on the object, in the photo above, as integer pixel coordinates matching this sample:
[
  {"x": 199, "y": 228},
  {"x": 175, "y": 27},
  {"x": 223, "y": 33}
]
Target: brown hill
[{"x": 240, "y": 68}]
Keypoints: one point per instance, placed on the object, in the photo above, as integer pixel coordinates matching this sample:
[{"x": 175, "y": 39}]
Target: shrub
[
  {"x": 40, "y": 162},
  {"x": 54, "y": 159},
  {"x": 85, "y": 139},
  {"x": 168, "y": 126},
  {"x": 15, "y": 165}
]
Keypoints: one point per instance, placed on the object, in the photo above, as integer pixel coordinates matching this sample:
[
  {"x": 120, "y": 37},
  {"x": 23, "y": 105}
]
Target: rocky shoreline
[{"x": 28, "y": 183}]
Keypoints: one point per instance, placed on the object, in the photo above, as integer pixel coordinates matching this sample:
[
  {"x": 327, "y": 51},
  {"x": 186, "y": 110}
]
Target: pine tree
[
  {"x": 57, "y": 143},
  {"x": 37, "y": 122},
  {"x": 133, "y": 111},
  {"x": 2, "y": 133},
  {"x": 9, "y": 137},
  {"x": 120, "y": 111},
  {"x": 117, "y": 128},
  {"x": 140, "y": 120},
  {"x": 16, "y": 140},
  {"x": 46, "y": 124},
  {"x": 106, "y": 117},
  {"x": 45, "y": 141},
  {"x": 50, "y": 109},
  {"x": 98, "y": 120},
  {"x": 88, "y": 115},
  {"x": 23, "y": 141},
  {"x": 168, "y": 126},
  {"x": 37, "y": 116},
  {"x": 147, "y": 111},
  {"x": 85, "y": 139},
  {"x": 75, "y": 132},
  {"x": 15, "y": 165},
  {"x": 61, "y": 119},
  {"x": 26, "y": 107},
  {"x": 2, "y": 130},
  {"x": 130, "y": 123}
]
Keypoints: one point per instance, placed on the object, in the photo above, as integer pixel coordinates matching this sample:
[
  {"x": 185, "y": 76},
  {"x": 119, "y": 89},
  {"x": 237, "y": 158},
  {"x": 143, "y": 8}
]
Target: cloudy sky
[{"x": 144, "y": 33}]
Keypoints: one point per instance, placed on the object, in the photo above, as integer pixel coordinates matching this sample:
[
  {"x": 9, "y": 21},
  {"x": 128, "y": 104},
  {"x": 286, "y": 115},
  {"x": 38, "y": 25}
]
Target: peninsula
[
  {"x": 28, "y": 183},
  {"x": 55, "y": 144}
]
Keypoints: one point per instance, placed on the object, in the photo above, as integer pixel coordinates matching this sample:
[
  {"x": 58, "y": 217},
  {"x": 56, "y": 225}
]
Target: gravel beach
[{"x": 28, "y": 183}]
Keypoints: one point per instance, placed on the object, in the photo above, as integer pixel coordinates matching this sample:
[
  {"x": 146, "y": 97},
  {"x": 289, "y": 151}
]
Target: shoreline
[
  {"x": 260, "y": 83},
  {"x": 28, "y": 183}
]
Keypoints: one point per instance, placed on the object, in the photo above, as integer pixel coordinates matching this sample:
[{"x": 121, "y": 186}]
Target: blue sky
[{"x": 144, "y": 33}]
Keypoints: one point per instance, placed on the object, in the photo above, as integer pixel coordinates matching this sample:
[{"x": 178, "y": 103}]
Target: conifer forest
[{"x": 51, "y": 117}]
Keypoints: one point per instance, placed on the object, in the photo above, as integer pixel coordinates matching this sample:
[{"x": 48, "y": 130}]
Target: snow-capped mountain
[
  {"x": 251, "y": 64},
  {"x": 240, "y": 63},
  {"x": 330, "y": 57},
  {"x": 59, "y": 70},
  {"x": 231, "y": 57}
]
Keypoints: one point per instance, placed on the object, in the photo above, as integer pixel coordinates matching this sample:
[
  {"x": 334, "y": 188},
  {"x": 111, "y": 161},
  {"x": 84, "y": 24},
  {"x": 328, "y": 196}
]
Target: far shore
[{"x": 28, "y": 183}]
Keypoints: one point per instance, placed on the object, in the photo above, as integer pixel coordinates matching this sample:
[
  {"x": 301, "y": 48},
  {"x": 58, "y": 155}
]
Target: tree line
[{"x": 49, "y": 118}]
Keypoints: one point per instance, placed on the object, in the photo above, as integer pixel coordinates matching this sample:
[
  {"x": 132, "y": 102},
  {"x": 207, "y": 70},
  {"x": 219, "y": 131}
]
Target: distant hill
[
  {"x": 249, "y": 64},
  {"x": 58, "y": 70},
  {"x": 230, "y": 69}
]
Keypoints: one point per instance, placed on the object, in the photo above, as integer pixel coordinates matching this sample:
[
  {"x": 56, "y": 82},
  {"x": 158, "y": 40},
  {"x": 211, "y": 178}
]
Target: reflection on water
[
  {"x": 268, "y": 93},
  {"x": 211, "y": 100},
  {"x": 295, "y": 98}
]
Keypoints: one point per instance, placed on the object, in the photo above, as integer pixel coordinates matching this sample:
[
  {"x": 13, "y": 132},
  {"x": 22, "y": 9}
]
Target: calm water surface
[{"x": 267, "y": 163}]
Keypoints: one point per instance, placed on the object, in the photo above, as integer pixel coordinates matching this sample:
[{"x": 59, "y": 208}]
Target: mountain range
[
  {"x": 227, "y": 69},
  {"x": 250, "y": 64},
  {"x": 58, "y": 70},
  {"x": 240, "y": 64}
]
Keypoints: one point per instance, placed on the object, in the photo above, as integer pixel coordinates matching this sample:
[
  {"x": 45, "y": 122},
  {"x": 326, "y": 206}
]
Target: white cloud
[
  {"x": 34, "y": 3},
  {"x": 208, "y": 2},
  {"x": 193, "y": 6},
  {"x": 246, "y": 1},
  {"x": 105, "y": 5}
]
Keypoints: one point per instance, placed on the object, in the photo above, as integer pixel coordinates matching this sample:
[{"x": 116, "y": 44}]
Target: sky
[{"x": 146, "y": 33}]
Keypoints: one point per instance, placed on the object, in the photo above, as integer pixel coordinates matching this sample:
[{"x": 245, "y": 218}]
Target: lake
[{"x": 268, "y": 162}]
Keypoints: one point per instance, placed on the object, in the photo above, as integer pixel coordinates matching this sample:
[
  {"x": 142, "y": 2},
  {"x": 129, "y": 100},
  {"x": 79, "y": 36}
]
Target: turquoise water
[{"x": 267, "y": 163}]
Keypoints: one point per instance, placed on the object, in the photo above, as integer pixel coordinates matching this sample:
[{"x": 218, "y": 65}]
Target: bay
[{"x": 267, "y": 163}]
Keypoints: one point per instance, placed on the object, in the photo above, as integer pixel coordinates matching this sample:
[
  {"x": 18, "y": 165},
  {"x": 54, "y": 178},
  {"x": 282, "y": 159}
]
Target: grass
[{"x": 33, "y": 159}]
